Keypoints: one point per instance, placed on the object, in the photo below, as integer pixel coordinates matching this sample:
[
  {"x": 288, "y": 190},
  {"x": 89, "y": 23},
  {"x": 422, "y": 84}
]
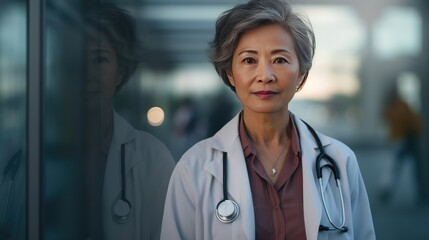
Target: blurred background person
[
  {"x": 127, "y": 170},
  {"x": 188, "y": 127},
  {"x": 404, "y": 129}
]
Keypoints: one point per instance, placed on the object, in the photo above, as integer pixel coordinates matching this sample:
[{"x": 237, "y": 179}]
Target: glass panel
[
  {"x": 62, "y": 121},
  {"x": 91, "y": 52},
  {"x": 12, "y": 119}
]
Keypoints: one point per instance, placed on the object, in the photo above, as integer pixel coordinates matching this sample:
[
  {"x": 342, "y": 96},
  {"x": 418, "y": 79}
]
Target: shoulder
[
  {"x": 152, "y": 148},
  {"x": 331, "y": 145},
  {"x": 339, "y": 148},
  {"x": 149, "y": 140},
  {"x": 198, "y": 156}
]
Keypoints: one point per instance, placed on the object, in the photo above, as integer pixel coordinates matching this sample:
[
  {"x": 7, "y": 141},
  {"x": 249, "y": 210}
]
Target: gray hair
[
  {"x": 232, "y": 23},
  {"x": 120, "y": 27}
]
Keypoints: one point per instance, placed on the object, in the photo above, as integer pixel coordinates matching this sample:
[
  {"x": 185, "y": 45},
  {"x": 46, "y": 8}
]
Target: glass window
[
  {"x": 63, "y": 125},
  {"x": 13, "y": 119}
]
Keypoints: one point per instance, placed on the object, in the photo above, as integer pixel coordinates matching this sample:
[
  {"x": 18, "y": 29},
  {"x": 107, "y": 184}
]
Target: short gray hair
[
  {"x": 232, "y": 23},
  {"x": 120, "y": 27}
]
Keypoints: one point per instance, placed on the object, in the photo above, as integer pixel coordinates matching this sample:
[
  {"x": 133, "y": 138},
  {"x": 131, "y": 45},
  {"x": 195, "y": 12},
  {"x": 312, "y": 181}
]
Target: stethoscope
[
  {"x": 335, "y": 170},
  {"x": 121, "y": 209},
  {"x": 228, "y": 210}
]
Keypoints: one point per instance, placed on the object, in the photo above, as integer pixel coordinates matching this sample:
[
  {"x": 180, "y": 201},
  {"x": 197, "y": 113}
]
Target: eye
[
  {"x": 280, "y": 60},
  {"x": 249, "y": 60},
  {"x": 100, "y": 59}
]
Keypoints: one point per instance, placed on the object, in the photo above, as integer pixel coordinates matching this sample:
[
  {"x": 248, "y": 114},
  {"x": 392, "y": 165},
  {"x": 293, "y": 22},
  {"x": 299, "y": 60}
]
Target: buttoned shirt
[{"x": 278, "y": 207}]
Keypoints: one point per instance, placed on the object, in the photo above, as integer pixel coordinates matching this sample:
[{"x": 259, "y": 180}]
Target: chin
[{"x": 269, "y": 109}]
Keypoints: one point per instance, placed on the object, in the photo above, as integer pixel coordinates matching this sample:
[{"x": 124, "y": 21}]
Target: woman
[
  {"x": 127, "y": 169},
  {"x": 256, "y": 177}
]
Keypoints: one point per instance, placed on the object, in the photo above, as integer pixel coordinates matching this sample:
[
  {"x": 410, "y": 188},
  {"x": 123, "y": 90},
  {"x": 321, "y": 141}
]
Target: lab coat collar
[
  {"x": 122, "y": 130},
  {"x": 227, "y": 140},
  {"x": 307, "y": 139},
  {"x": 124, "y": 133},
  {"x": 312, "y": 204}
]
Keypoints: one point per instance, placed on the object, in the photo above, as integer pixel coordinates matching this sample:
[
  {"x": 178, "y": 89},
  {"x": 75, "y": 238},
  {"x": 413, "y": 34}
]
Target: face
[
  {"x": 265, "y": 69},
  {"x": 102, "y": 71}
]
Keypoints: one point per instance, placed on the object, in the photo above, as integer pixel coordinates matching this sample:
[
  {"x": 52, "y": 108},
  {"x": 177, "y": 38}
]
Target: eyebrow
[
  {"x": 280, "y": 51},
  {"x": 272, "y": 52},
  {"x": 99, "y": 50}
]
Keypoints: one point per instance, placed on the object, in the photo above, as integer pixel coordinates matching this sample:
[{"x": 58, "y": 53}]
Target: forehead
[
  {"x": 97, "y": 40},
  {"x": 274, "y": 35}
]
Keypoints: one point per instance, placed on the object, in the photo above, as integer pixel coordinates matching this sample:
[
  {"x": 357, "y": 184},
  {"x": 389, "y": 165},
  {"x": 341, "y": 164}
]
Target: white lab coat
[
  {"x": 148, "y": 166},
  {"x": 196, "y": 188}
]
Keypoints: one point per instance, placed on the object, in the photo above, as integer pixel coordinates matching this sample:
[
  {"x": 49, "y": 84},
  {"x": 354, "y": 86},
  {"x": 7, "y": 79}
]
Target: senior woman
[
  {"x": 127, "y": 169},
  {"x": 257, "y": 178}
]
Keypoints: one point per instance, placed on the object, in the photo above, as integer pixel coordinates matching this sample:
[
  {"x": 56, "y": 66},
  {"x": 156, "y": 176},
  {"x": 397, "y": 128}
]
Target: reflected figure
[
  {"x": 12, "y": 197},
  {"x": 404, "y": 126},
  {"x": 127, "y": 170},
  {"x": 13, "y": 119},
  {"x": 266, "y": 174}
]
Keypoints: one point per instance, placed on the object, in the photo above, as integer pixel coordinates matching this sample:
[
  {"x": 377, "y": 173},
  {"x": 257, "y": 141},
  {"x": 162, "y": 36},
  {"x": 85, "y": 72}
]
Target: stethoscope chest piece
[
  {"x": 121, "y": 211},
  {"x": 227, "y": 211}
]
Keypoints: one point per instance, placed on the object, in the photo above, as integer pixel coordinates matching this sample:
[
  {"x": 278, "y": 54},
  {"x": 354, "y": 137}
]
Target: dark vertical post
[
  {"x": 424, "y": 76},
  {"x": 34, "y": 117}
]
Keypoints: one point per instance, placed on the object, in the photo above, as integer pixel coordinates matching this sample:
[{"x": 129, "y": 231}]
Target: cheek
[{"x": 108, "y": 80}]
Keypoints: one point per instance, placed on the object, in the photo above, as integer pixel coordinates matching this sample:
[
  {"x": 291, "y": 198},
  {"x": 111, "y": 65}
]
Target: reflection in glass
[
  {"x": 103, "y": 178},
  {"x": 126, "y": 170},
  {"x": 12, "y": 119}
]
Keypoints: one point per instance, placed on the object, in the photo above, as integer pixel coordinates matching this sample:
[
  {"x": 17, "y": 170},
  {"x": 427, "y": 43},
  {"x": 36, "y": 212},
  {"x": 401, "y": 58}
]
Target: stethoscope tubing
[
  {"x": 341, "y": 226},
  {"x": 335, "y": 170},
  {"x": 331, "y": 165},
  {"x": 226, "y": 210},
  {"x": 121, "y": 208}
]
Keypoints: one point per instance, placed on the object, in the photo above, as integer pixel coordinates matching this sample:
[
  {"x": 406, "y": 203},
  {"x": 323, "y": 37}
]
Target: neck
[
  {"x": 99, "y": 123},
  {"x": 106, "y": 131},
  {"x": 267, "y": 130}
]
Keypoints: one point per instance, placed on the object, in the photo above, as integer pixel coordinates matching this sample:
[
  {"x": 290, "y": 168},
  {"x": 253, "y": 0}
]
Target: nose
[{"x": 265, "y": 73}]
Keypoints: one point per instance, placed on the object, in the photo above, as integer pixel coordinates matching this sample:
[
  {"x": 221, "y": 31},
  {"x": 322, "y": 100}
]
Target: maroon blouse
[{"x": 278, "y": 207}]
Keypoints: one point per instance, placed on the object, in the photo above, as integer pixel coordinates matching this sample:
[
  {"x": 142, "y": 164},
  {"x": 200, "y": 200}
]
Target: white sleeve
[
  {"x": 361, "y": 212},
  {"x": 179, "y": 211}
]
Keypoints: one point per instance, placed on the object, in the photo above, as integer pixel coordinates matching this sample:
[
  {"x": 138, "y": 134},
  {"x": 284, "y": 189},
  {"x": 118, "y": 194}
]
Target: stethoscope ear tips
[
  {"x": 227, "y": 211},
  {"x": 121, "y": 211}
]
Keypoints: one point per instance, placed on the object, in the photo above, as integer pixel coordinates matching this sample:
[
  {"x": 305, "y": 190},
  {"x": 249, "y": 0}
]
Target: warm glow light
[{"x": 155, "y": 116}]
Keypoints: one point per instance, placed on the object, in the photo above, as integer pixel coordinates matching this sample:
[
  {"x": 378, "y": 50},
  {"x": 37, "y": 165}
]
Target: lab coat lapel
[
  {"x": 326, "y": 173},
  {"x": 240, "y": 187},
  {"x": 122, "y": 134},
  {"x": 227, "y": 140},
  {"x": 312, "y": 203},
  {"x": 125, "y": 135}
]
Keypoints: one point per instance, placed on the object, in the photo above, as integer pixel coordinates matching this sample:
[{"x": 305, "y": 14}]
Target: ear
[
  {"x": 230, "y": 77},
  {"x": 119, "y": 78},
  {"x": 301, "y": 81}
]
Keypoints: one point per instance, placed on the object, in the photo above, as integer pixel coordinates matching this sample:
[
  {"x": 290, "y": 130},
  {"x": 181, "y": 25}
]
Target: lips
[{"x": 265, "y": 93}]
